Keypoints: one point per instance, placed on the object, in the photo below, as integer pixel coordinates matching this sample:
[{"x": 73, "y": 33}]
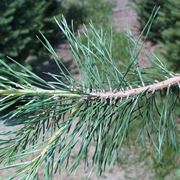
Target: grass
[{"x": 99, "y": 12}]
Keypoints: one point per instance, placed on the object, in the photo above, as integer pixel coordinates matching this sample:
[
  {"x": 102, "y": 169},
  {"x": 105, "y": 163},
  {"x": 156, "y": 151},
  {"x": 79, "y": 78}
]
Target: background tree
[
  {"x": 21, "y": 20},
  {"x": 165, "y": 27}
]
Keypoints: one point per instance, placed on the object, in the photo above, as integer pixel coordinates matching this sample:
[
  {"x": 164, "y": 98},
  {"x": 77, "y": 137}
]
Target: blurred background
[{"x": 21, "y": 22}]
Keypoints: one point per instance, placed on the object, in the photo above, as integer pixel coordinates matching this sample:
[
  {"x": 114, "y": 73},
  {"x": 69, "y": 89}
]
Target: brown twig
[
  {"x": 75, "y": 91},
  {"x": 173, "y": 81}
]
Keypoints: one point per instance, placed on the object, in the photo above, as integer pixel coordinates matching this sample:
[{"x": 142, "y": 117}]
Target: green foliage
[
  {"x": 54, "y": 118},
  {"x": 119, "y": 41},
  {"x": 21, "y": 20},
  {"x": 121, "y": 47},
  {"x": 170, "y": 16},
  {"x": 166, "y": 164},
  {"x": 99, "y": 12},
  {"x": 144, "y": 9},
  {"x": 165, "y": 28}
]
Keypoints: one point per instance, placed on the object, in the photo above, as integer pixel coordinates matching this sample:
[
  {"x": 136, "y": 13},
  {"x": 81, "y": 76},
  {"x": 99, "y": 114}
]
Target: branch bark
[
  {"x": 174, "y": 81},
  {"x": 76, "y": 92}
]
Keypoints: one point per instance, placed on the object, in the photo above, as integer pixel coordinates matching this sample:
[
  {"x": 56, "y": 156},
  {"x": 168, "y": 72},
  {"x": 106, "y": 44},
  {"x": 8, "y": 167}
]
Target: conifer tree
[
  {"x": 165, "y": 28},
  {"x": 100, "y": 109}
]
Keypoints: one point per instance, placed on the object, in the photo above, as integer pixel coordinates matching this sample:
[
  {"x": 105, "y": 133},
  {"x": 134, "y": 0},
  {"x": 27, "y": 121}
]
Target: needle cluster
[{"x": 55, "y": 119}]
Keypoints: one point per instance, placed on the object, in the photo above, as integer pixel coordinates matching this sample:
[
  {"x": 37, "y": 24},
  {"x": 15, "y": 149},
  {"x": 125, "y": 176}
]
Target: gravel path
[{"x": 124, "y": 17}]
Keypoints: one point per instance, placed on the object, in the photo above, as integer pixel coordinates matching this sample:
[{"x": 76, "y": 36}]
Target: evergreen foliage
[
  {"x": 101, "y": 108},
  {"x": 165, "y": 28},
  {"x": 21, "y": 20},
  {"x": 99, "y": 14},
  {"x": 144, "y": 10}
]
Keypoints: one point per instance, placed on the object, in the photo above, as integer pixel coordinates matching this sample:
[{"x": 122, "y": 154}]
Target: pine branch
[
  {"x": 152, "y": 88},
  {"x": 101, "y": 109},
  {"x": 129, "y": 92}
]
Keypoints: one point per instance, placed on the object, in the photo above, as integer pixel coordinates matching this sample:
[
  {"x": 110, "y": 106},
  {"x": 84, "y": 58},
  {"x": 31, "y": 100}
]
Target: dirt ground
[{"x": 124, "y": 18}]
